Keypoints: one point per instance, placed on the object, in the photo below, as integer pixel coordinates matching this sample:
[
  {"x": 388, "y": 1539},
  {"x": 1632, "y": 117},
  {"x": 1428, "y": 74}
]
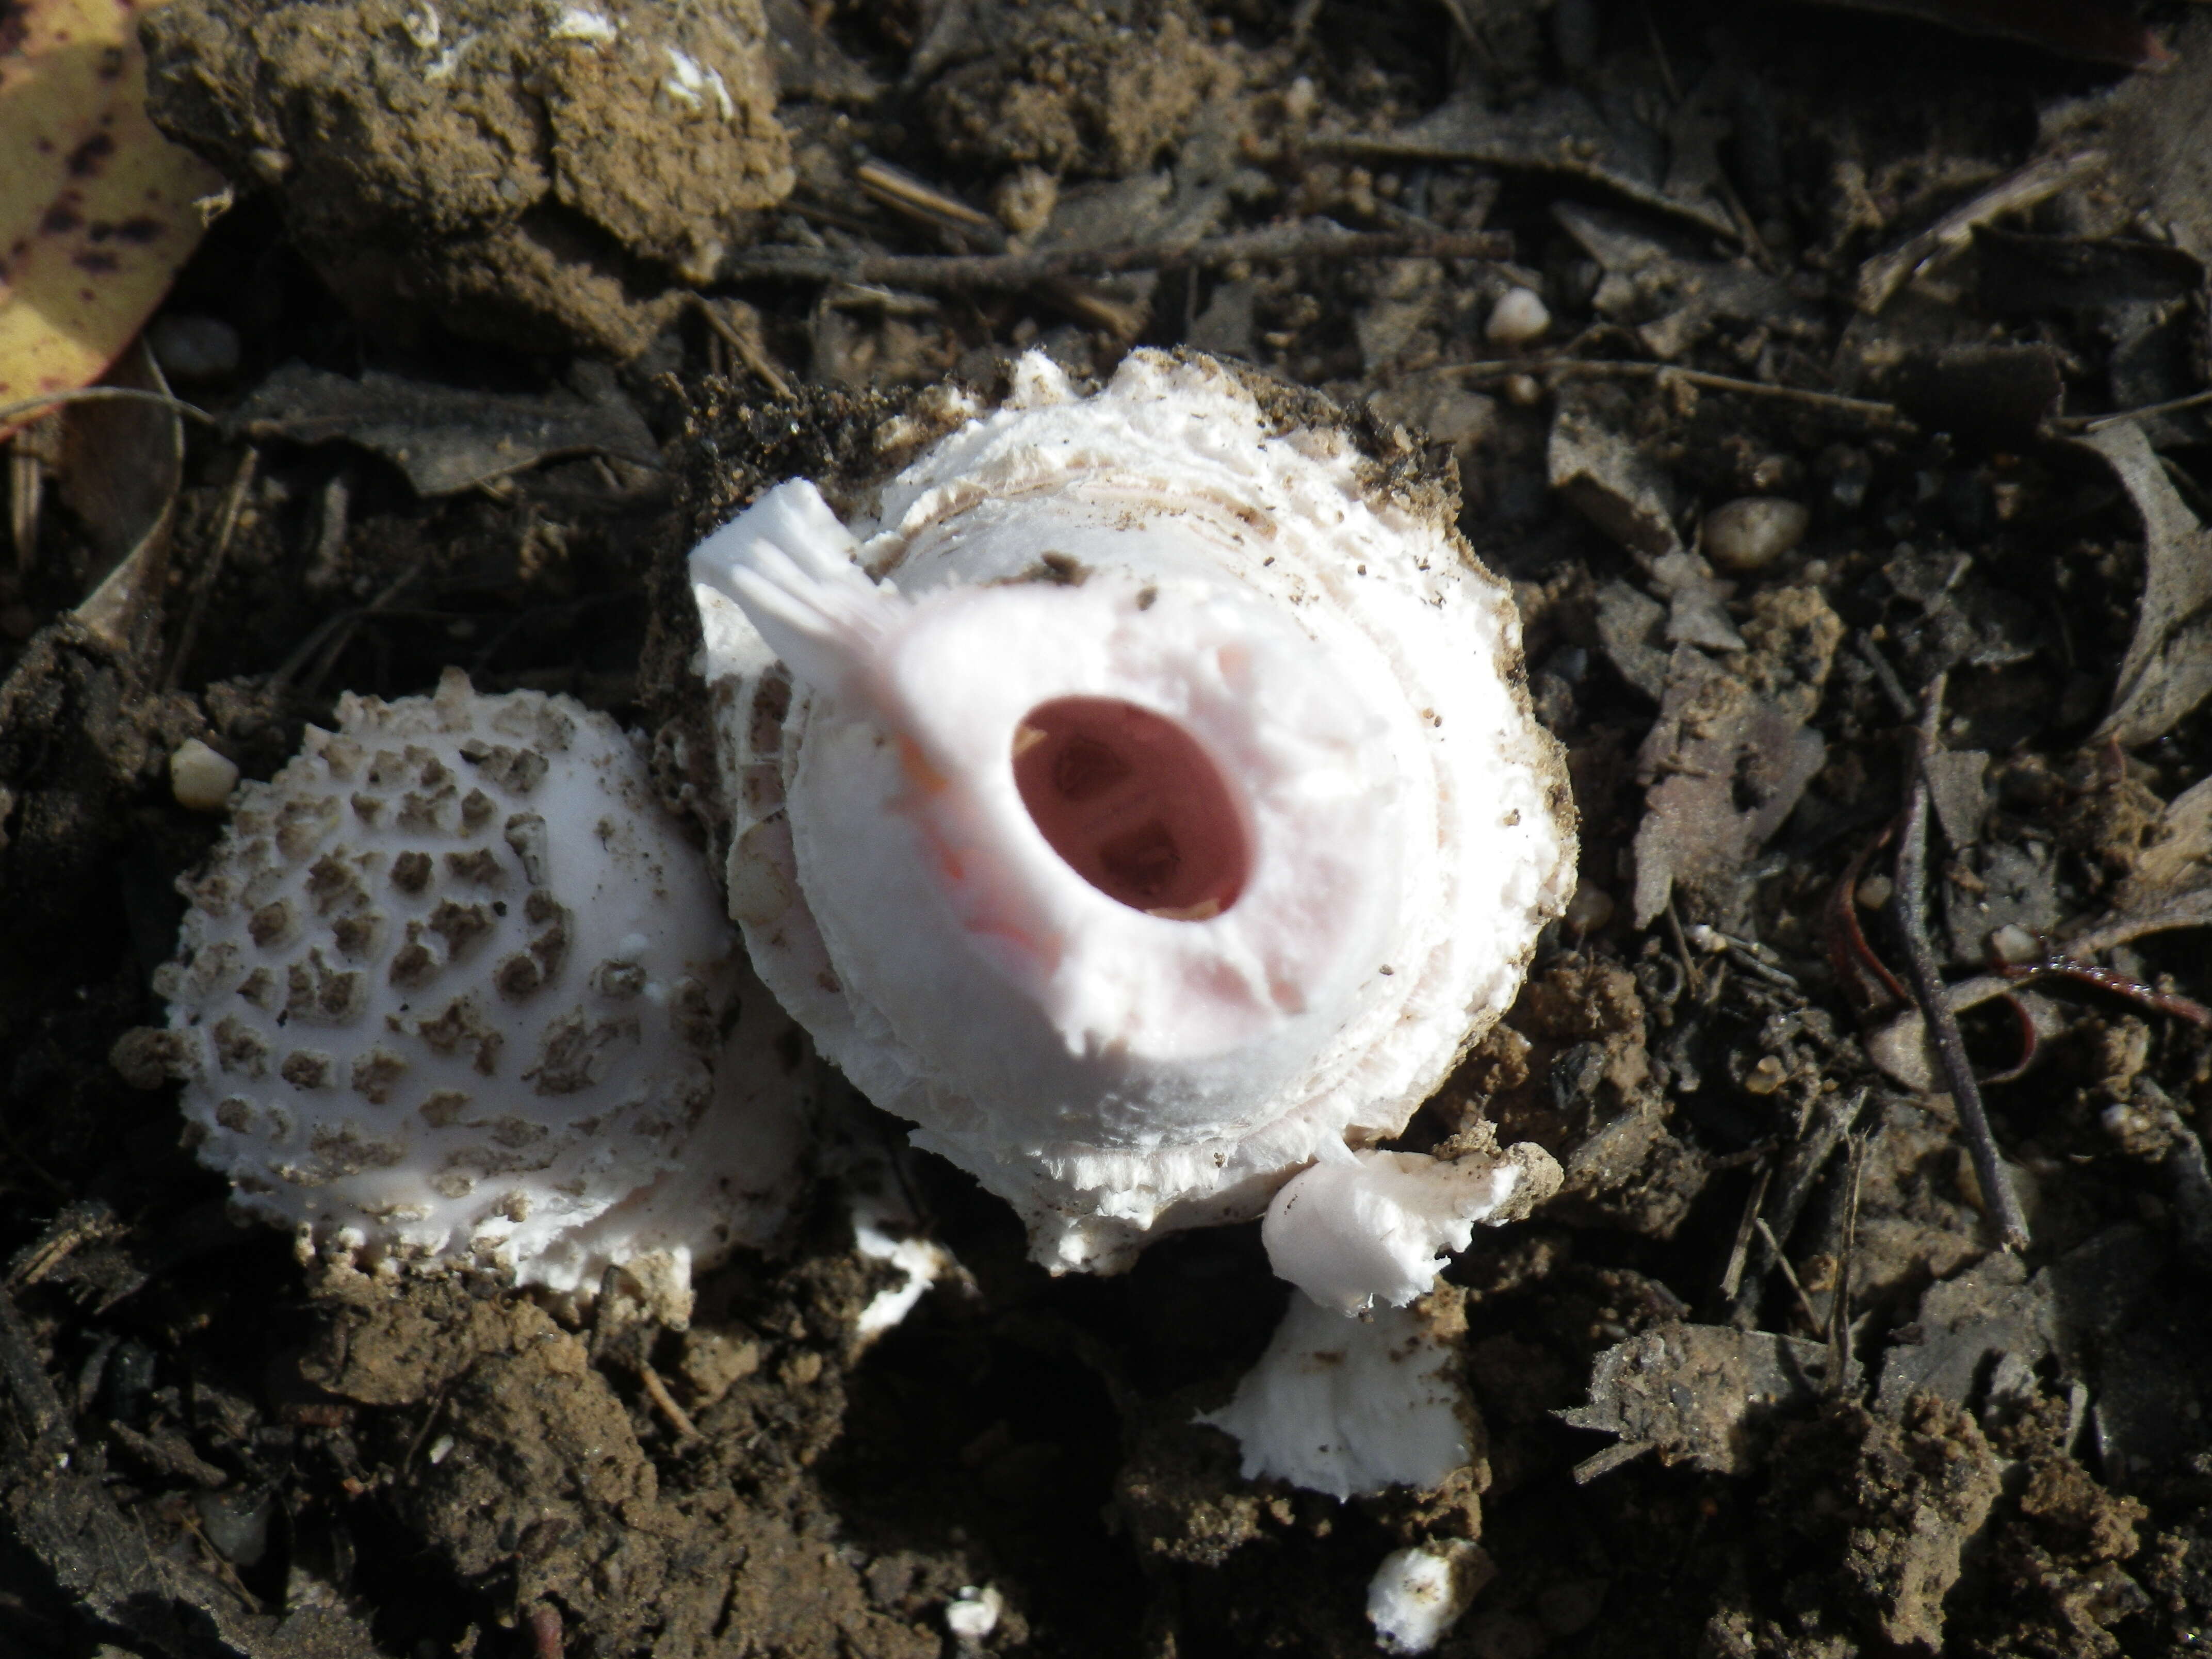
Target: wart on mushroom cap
[
  {"x": 455, "y": 987},
  {"x": 1159, "y": 812}
]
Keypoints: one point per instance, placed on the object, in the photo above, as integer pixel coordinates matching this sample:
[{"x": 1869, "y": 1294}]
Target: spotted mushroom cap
[
  {"x": 455, "y": 987},
  {"x": 1158, "y": 805}
]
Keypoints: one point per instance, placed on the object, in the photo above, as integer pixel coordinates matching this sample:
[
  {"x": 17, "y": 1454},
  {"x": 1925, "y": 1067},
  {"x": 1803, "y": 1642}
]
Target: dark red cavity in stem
[{"x": 1133, "y": 805}]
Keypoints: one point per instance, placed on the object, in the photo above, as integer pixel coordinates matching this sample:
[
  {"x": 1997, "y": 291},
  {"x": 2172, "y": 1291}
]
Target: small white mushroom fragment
[
  {"x": 1418, "y": 1594},
  {"x": 1348, "y": 1406},
  {"x": 974, "y": 1613},
  {"x": 1157, "y": 809},
  {"x": 1360, "y": 1226},
  {"x": 455, "y": 987}
]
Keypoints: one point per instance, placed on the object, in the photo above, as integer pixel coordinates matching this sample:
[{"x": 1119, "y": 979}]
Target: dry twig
[
  {"x": 745, "y": 344},
  {"x": 1911, "y": 903},
  {"x": 203, "y": 580},
  {"x": 960, "y": 273},
  {"x": 2098, "y": 423},
  {"x": 1831, "y": 402},
  {"x": 665, "y": 1402}
]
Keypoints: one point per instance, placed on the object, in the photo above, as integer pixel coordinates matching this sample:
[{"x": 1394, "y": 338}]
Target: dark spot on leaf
[
  {"x": 95, "y": 261},
  {"x": 139, "y": 229},
  {"x": 59, "y": 221},
  {"x": 112, "y": 60}
]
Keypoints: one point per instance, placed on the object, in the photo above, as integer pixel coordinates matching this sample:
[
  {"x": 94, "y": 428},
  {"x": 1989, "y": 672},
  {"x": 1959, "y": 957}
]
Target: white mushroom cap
[
  {"x": 455, "y": 987},
  {"x": 1328, "y": 833}
]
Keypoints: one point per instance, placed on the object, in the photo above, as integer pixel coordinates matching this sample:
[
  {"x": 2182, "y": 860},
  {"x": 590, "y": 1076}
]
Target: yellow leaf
[{"x": 96, "y": 207}]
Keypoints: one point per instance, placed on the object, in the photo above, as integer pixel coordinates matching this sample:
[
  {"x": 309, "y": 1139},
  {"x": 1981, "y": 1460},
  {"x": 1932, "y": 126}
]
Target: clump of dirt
[
  {"x": 1570, "y": 1069},
  {"x": 1097, "y": 89},
  {"x": 649, "y": 1516},
  {"x": 1887, "y": 1509},
  {"x": 529, "y": 175}
]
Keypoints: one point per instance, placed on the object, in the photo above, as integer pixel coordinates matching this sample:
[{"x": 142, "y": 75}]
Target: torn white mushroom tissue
[
  {"x": 921, "y": 1261},
  {"x": 1418, "y": 1594},
  {"x": 974, "y": 1613},
  {"x": 1349, "y": 1406},
  {"x": 456, "y": 987},
  {"x": 1370, "y": 1224},
  {"x": 1156, "y": 806}
]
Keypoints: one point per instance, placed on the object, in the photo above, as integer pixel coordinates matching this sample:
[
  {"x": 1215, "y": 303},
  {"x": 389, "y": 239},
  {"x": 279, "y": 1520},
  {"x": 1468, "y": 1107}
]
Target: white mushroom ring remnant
[
  {"x": 1155, "y": 814},
  {"x": 455, "y": 987}
]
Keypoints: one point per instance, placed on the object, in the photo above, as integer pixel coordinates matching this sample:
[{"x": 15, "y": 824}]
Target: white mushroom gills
[
  {"x": 1156, "y": 811},
  {"x": 455, "y": 988}
]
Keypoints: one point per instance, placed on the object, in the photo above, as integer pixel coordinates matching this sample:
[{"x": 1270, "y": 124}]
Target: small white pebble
[
  {"x": 973, "y": 1613},
  {"x": 2014, "y": 943},
  {"x": 631, "y": 947},
  {"x": 1518, "y": 317},
  {"x": 192, "y": 347},
  {"x": 1524, "y": 390},
  {"x": 1754, "y": 532},
  {"x": 199, "y": 778},
  {"x": 441, "y": 1449},
  {"x": 1874, "y": 892},
  {"x": 1300, "y": 98}
]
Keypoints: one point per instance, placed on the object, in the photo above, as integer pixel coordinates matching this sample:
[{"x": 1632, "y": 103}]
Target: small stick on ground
[
  {"x": 233, "y": 505},
  {"x": 1774, "y": 1245},
  {"x": 1732, "y": 1274},
  {"x": 1689, "y": 961},
  {"x": 746, "y": 346},
  {"x": 1833, "y": 1116},
  {"x": 1886, "y": 676},
  {"x": 960, "y": 273},
  {"x": 665, "y": 1402},
  {"x": 2099, "y": 423},
  {"x": 1911, "y": 906},
  {"x": 100, "y": 394},
  {"x": 1834, "y": 402},
  {"x": 1610, "y": 1459},
  {"x": 1839, "y": 1303}
]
